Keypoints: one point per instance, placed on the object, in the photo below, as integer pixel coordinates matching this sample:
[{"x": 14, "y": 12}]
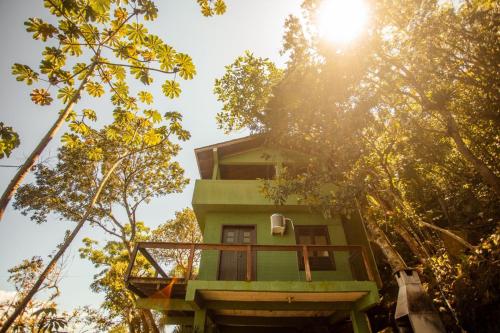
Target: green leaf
[
  {"x": 54, "y": 55},
  {"x": 70, "y": 140},
  {"x": 94, "y": 89},
  {"x": 171, "y": 89},
  {"x": 95, "y": 154},
  {"x": 72, "y": 47},
  {"x": 79, "y": 127},
  {"x": 136, "y": 32},
  {"x": 166, "y": 56},
  {"x": 154, "y": 115},
  {"x": 149, "y": 9},
  {"x": 41, "y": 97},
  {"x": 100, "y": 6},
  {"x": 220, "y": 7},
  {"x": 9, "y": 140},
  {"x": 185, "y": 65},
  {"x": 24, "y": 73},
  {"x": 80, "y": 70},
  {"x": 89, "y": 114},
  {"x": 173, "y": 115},
  {"x": 65, "y": 94},
  {"x": 152, "y": 138},
  {"x": 145, "y": 97},
  {"x": 40, "y": 29}
]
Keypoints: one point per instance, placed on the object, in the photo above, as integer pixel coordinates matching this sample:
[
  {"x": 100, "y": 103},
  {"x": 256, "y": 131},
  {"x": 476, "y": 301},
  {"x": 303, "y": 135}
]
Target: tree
[
  {"x": 181, "y": 229},
  {"x": 103, "y": 39},
  {"x": 402, "y": 121},
  {"x": 89, "y": 165},
  {"x": 119, "y": 303},
  {"x": 39, "y": 316},
  {"x": 114, "y": 257}
]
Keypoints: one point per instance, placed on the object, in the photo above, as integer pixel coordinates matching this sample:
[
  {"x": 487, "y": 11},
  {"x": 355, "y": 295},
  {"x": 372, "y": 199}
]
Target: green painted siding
[{"x": 273, "y": 266}]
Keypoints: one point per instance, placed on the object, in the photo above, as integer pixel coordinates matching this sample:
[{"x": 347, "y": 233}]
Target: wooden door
[{"x": 233, "y": 265}]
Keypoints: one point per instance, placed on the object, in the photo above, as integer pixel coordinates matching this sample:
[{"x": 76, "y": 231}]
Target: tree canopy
[{"x": 403, "y": 121}]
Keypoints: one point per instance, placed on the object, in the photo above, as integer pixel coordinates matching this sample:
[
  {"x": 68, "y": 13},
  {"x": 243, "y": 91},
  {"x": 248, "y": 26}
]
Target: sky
[{"x": 213, "y": 43}]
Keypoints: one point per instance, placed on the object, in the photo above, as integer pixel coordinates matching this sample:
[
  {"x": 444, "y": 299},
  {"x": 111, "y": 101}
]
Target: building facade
[{"x": 263, "y": 267}]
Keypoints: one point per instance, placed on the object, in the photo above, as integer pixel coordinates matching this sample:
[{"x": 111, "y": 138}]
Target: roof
[{"x": 205, "y": 156}]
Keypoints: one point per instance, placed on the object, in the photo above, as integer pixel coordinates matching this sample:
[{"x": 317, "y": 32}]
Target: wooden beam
[
  {"x": 185, "y": 321},
  {"x": 307, "y": 267},
  {"x": 151, "y": 280},
  {"x": 264, "y": 305},
  {"x": 367, "y": 265},
  {"x": 215, "y": 162},
  {"x": 266, "y": 321},
  {"x": 242, "y": 247},
  {"x": 190, "y": 262},
  {"x": 163, "y": 304},
  {"x": 151, "y": 260},
  {"x": 135, "y": 290},
  {"x": 131, "y": 263},
  {"x": 249, "y": 262}
]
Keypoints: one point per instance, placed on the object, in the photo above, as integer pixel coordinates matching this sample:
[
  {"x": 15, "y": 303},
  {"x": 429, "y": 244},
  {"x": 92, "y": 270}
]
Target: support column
[
  {"x": 200, "y": 318},
  {"x": 360, "y": 322}
]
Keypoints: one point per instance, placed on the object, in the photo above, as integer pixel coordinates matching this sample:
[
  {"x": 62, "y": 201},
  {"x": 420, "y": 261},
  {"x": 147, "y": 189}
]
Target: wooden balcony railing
[{"x": 143, "y": 247}]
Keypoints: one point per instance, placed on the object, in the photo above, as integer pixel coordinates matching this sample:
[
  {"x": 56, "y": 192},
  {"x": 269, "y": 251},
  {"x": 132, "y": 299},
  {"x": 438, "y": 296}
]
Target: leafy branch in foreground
[
  {"x": 106, "y": 42},
  {"x": 88, "y": 164},
  {"x": 9, "y": 140}
]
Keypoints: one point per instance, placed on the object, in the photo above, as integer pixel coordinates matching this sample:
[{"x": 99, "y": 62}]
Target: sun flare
[{"x": 341, "y": 21}]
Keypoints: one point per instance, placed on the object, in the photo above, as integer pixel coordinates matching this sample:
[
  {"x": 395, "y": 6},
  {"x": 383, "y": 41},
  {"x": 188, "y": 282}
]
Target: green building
[{"x": 263, "y": 267}]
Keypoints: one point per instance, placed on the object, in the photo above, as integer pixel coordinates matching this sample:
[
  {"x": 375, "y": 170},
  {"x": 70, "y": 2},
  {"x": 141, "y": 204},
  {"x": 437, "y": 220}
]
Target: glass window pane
[{"x": 304, "y": 239}]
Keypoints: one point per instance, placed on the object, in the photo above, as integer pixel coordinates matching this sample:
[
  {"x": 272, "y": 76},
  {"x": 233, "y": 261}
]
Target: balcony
[{"x": 251, "y": 299}]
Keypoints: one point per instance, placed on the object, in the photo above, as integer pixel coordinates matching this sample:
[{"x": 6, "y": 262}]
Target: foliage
[
  {"x": 181, "y": 229},
  {"x": 245, "y": 107},
  {"x": 94, "y": 42},
  {"x": 112, "y": 259},
  {"x": 146, "y": 172},
  {"x": 399, "y": 121},
  {"x": 100, "y": 39},
  {"x": 9, "y": 140},
  {"x": 478, "y": 284},
  {"x": 144, "y": 143},
  {"x": 39, "y": 316}
]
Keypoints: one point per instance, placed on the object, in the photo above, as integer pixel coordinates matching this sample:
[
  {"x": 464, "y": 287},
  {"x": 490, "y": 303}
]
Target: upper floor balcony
[{"x": 361, "y": 288}]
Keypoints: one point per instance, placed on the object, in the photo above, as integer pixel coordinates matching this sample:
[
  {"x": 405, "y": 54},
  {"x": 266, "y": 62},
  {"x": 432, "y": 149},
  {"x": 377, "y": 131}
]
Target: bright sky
[{"x": 212, "y": 43}]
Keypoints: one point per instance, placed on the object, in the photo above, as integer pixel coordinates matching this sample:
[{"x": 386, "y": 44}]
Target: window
[
  {"x": 315, "y": 235},
  {"x": 247, "y": 172}
]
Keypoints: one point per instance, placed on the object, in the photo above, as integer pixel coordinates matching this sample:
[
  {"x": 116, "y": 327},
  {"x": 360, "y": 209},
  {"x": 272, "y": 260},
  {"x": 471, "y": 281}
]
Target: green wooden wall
[{"x": 271, "y": 265}]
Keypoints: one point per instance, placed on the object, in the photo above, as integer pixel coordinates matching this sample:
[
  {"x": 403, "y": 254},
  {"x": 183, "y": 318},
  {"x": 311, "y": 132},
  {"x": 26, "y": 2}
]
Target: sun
[{"x": 341, "y": 21}]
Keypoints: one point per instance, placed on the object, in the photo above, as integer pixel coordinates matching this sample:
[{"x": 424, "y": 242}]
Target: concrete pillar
[
  {"x": 199, "y": 323},
  {"x": 360, "y": 322}
]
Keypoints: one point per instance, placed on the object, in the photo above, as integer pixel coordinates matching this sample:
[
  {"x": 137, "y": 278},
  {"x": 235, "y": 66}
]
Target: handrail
[{"x": 248, "y": 248}]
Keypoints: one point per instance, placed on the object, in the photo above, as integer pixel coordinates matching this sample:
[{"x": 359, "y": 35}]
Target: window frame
[{"x": 316, "y": 263}]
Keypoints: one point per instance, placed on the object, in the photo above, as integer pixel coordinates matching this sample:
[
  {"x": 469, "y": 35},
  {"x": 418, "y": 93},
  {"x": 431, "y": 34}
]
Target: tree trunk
[
  {"x": 488, "y": 176},
  {"x": 415, "y": 247},
  {"x": 22, "y": 304},
  {"x": 150, "y": 321},
  {"x": 393, "y": 258},
  {"x": 33, "y": 157},
  {"x": 450, "y": 234}
]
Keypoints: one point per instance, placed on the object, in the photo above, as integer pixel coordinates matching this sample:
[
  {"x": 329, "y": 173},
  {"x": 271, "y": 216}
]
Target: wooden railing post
[
  {"x": 307, "y": 267},
  {"x": 190, "y": 262},
  {"x": 367, "y": 264},
  {"x": 249, "y": 262},
  {"x": 131, "y": 263}
]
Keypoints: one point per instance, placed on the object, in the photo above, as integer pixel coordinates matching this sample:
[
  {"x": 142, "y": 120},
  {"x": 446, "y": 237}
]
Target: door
[{"x": 232, "y": 264}]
